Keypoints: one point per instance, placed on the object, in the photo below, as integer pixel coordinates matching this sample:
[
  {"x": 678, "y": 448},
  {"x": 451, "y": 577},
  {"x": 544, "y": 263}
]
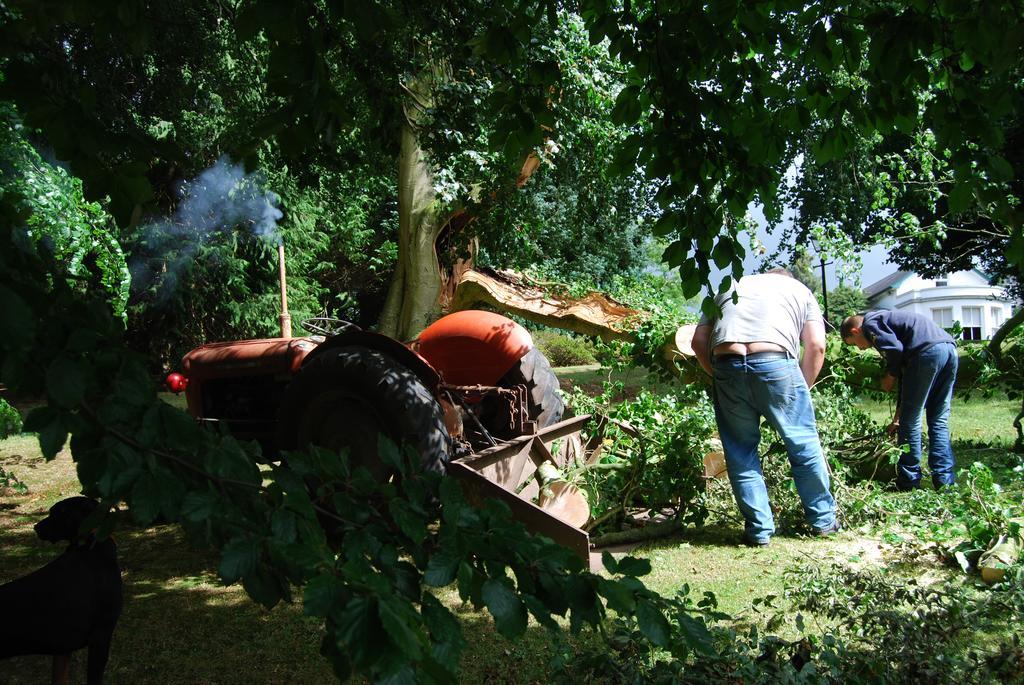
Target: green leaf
[
  {"x": 322, "y": 594},
  {"x": 198, "y": 506},
  {"x": 508, "y": 611},
  {"x": 698, "y": 637},
  {"x": 634, "y": 566},
  {"x": 1015, "y": 251},
  {"x": 627, "y": 106},
  {"x": 398, "y": 620},
  {"x": 282, "y": 524},
  {"x": 620, "y": 596},
  {"x": 960, "y": 197},
  {"x": 723, "y": 253},
  {"x": 66, "y": 381},
  {"x": 52, "y": 437},
  {"x": 390, "y": 454},
  {"x": 609, "y": 562},
  {"x": 145, "y": 500},
  {"x": 239, "y": 557},
  {"x": 410, "y": 522},
  {"x": 652, "y": 622},
  {"x": 542, "y": 611},
  {"x": 263, "y": 586},
  {"x": 440, "y": 621},
  {"x": 48, "y": 423},
  {"x": 966, "y": 62},
  {"x": 442, "y": 567},
  {"x": 1002, "y": 170},
  {"x": 17, "y": 320},
  {"x": 83, "y": 340},
  {"x": 340, "y": 663},
  {"x": 404, "y": 676},
  {"x": 178, "y": 427},
  {"x": 359, "y": 629},
  {"x": 445, "y": 630}
]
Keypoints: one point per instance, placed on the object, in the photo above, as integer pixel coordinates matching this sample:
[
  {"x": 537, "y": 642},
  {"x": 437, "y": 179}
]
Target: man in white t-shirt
[{"x": 751, "y": 352}]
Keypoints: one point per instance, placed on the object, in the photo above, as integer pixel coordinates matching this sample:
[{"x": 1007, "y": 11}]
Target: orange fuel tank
[{"x": 474, "y": 347}]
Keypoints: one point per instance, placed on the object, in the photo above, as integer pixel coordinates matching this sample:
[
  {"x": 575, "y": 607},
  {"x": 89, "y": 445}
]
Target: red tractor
[{"x": 472, "y": 379}]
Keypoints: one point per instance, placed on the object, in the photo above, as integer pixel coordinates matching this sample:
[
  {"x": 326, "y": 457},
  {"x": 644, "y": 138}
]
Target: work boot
[
  {"x": 825, "y": 532},
  {"x": 754, "y": 542}
]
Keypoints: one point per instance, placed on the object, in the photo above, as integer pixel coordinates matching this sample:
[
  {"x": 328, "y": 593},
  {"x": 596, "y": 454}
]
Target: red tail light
[{"x": 175, "y": 382}]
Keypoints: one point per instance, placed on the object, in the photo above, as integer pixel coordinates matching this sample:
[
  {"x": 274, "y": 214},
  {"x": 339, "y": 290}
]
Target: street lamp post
[{"x": 824, "y": 284}]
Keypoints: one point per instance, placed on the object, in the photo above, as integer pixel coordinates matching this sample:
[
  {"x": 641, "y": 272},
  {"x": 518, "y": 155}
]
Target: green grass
[
  {"x": 591, "y": 379},
  {"x": 977, "y": 420},
  {"x": 181, "y": 626}
]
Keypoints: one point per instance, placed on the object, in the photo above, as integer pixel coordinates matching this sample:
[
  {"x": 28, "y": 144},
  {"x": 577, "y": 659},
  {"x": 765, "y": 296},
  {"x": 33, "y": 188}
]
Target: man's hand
[
  {"x": 893, "y": 426},
  {"x": 888, "y": 382}
]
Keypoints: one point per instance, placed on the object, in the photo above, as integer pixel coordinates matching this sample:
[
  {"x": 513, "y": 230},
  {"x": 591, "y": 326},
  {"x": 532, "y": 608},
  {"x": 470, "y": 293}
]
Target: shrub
[
  {"x": 10, "y": 420},
  {"x": 564, "y": 350}
]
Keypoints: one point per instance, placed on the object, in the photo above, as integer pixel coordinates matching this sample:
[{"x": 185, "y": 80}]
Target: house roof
[{"x": 890, "y": 281}]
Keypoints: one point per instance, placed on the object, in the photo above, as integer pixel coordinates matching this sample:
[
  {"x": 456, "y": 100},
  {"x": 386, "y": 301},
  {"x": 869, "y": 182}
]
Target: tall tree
[
  {"x": 802, "y": 269},
  {"x": 416, "y": 286}
]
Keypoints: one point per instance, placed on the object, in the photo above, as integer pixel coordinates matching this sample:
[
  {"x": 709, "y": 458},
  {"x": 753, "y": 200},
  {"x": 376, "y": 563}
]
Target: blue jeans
[
  {"x": 746, "y": 390},
  {"x": 927, "y": 387}
]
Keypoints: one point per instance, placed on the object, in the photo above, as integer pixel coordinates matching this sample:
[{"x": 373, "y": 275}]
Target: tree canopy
[{"x": 720, "y": 97}]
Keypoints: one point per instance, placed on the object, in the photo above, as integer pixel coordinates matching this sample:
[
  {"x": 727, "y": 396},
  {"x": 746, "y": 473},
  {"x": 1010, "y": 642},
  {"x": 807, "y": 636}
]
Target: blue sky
[{"x": 874, "y": 264}]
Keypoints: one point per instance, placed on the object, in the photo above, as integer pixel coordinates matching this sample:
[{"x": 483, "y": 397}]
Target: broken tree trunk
[{"x": 593, "y": 314}]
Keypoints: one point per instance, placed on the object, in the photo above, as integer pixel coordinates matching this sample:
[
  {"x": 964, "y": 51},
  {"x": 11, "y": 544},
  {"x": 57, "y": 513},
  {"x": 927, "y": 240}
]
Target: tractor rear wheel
[
  {"x": 534, "y": 371},
  {"x": 349, "y": 396}
]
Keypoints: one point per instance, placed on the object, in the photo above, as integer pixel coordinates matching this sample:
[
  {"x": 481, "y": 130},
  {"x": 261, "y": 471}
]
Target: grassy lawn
[
  {"x": 181, "y": 626},
  {"x": 977, "y": 420}
]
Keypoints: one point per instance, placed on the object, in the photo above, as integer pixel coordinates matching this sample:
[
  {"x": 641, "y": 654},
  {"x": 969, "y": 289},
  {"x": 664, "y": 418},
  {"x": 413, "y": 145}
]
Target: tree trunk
[
  {"x": 412, "y": 301},
  {"x": 419, "y": 290}
]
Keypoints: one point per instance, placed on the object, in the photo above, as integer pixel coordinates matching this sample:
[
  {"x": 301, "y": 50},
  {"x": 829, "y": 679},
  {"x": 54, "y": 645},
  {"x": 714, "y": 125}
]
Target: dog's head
[{"x": 65, "y": 518}]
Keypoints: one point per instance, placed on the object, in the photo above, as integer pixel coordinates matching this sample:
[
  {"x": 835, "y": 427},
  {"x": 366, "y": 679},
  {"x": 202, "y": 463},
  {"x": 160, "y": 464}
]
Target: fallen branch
[{"x": 648, "y": 532}]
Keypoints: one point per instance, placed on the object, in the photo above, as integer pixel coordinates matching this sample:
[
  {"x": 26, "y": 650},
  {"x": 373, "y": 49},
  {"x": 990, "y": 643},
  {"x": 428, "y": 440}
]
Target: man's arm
[
  {"x": 812, "y": 336},
  {"x": 700, "y": 344}
]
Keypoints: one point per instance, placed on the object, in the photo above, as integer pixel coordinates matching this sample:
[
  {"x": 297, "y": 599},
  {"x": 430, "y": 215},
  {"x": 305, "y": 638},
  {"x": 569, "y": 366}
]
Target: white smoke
[{"x": 221, "y": 199}]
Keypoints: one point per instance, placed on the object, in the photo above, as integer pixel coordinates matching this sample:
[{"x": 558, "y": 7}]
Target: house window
[
  {"x": 942, "y": 281},
  {"x": 943, "y": 317},
  {"x": 997, "y": 318},
  {"x": 971, "y": 323}
]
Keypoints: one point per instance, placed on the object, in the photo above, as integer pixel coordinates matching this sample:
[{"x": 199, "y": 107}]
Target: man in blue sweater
[{"x": 922, "y": 357}]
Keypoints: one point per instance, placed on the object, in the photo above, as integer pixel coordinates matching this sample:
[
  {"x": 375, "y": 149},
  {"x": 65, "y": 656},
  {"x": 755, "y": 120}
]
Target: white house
[{"x": 964, "y": 296}]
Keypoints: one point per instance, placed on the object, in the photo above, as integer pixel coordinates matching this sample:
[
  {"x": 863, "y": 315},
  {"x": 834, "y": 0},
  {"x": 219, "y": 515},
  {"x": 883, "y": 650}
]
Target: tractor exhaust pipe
[{"x": 286, "y": 318}]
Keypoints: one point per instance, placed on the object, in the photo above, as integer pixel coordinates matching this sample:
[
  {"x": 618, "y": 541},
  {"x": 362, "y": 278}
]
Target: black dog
[{"x": 71, "y": 603}]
